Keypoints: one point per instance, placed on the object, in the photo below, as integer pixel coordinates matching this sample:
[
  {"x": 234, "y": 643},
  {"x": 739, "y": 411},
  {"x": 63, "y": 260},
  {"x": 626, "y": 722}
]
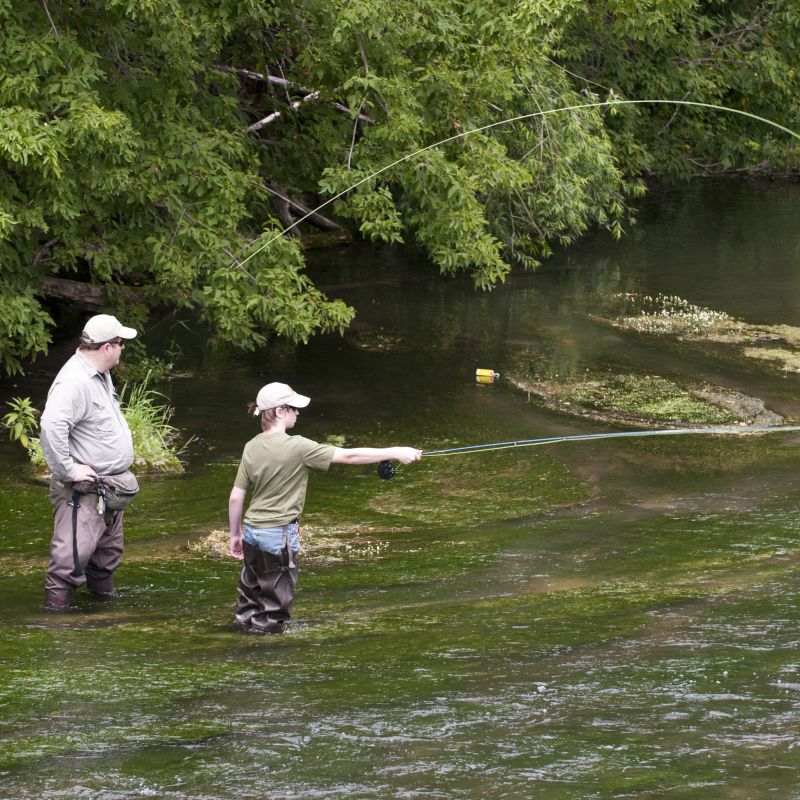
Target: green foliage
[
  {"x": 126, "y": 159},
  {"x": 125, "y": 162},
  {"x": 23, "y": 324},
  {"x": 740, "y": 54},
  {"x": 141, "y": 367},
  {"x": 21, "y": 420}
]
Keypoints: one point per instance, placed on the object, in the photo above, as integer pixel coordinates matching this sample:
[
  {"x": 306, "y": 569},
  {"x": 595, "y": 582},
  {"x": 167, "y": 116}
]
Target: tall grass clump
[
  {"x": 154, "y": 438},
  {"x": 22, "y": 426}
]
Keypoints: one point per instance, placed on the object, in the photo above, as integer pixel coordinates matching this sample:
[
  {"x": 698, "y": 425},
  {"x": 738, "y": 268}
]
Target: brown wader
[
  {"x": 266, "y": 589},
  {"x": 86, "y": 547}
]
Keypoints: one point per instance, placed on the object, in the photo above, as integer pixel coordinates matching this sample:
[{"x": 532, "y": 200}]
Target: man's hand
[{"x": 83, "y": 472}]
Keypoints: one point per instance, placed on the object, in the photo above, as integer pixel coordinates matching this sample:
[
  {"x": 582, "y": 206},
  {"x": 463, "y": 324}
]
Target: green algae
[
  {"x": 646, "y": 400},
  {"x": 154, "y": 663},
  {"x": 396, "y": 642},
  {"x": 435, "y": 619},
  {"x": 648, "y": 396}
]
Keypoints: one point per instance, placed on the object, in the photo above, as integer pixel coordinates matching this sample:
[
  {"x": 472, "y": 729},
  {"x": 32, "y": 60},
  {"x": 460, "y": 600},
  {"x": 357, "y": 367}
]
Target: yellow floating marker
[{"x": 486, "y": 375}]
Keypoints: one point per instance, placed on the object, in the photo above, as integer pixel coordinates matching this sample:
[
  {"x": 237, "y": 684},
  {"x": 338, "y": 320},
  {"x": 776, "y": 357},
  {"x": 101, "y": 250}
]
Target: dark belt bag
[{"x": 117, "y": 490}]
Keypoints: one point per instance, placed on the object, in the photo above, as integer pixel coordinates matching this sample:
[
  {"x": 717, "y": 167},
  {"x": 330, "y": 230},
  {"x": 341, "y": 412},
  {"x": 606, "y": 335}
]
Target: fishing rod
[{"x": 386, "y": 469}]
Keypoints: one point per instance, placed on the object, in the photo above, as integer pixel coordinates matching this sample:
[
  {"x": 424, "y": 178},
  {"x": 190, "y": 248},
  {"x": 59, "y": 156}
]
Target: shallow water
[{"x": 618, "y": 618}]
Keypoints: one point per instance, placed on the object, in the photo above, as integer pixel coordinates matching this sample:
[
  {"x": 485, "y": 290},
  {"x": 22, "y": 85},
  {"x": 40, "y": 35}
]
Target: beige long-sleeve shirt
[{"x": 82, "y": 422}]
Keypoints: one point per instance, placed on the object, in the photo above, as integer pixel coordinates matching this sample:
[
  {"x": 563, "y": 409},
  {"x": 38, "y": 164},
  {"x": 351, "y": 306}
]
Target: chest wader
[
  {"x": 266, "y": 589},
  {"x": 98, "y": 586},
  {"x": 57, "y": 598}
]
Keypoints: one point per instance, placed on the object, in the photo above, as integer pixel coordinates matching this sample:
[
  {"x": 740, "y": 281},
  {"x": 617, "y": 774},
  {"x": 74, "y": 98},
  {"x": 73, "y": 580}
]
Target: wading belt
[{"x": 77, "y": 572}]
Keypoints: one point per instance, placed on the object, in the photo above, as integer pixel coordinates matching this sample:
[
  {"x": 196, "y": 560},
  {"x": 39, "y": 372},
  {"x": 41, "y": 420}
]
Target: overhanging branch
[{"x": 80, "y": 293}]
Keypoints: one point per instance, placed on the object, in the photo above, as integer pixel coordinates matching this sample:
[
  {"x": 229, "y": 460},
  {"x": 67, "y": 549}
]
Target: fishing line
[
  {"x": 508, "y": 121},
  {"x": 387, "y": 469},
  {"x": 474, "y": 448}
]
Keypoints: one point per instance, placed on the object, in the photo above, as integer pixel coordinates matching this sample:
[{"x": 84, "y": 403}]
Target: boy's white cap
[
  {"x": 104, "y": 328},
  {"x": 279, "y": 394}
]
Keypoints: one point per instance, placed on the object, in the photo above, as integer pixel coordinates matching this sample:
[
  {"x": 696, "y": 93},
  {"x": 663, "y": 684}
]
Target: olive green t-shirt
[{"x": 275, "y": 466}]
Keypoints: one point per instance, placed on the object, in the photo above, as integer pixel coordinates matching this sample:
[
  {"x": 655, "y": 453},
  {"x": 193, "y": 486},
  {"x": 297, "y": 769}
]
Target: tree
[
  {"x": 126, "y": 165},
  {"x": 741, "y": 54},
  {"x": 153, "y": 151}
]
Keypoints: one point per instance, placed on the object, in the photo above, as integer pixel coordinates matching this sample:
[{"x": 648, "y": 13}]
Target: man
[
  {"x": 84, "y": 435},
  {"x": 275, "y": 466}
]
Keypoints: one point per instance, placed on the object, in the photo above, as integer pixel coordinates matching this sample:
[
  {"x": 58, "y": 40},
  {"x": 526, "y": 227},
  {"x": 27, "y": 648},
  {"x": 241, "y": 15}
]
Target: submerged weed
[
  {"x": 648, "y": 400},
  {"x": 317, "y": 543},
  {"x": 650, "y": 397}
]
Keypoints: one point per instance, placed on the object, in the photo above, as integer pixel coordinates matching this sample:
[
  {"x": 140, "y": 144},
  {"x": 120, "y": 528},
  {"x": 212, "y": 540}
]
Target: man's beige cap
[{"x": 104, "y": 328}]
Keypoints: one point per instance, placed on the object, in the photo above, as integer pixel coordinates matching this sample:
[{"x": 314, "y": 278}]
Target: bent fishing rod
[{"x": 386, "y": 469}]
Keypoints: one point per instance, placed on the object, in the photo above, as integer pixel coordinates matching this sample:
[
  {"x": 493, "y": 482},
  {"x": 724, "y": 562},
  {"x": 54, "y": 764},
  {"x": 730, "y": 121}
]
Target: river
[{"x": 617, "y": 618}]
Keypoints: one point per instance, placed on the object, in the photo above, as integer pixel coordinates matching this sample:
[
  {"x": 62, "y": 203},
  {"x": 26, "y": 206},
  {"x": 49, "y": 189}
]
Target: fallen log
[
  {"x": 313, "y": 217},
  {"x": 81, "y": 293}
]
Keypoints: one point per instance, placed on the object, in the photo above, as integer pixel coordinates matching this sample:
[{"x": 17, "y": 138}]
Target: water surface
[{"x": 610, "y": 619}]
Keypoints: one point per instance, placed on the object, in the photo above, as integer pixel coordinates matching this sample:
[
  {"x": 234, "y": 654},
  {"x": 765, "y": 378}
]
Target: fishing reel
[{"x": 386, "y": 470}]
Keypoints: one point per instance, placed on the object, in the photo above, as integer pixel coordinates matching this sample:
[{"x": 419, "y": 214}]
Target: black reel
[{"x": 386, "y": 470}]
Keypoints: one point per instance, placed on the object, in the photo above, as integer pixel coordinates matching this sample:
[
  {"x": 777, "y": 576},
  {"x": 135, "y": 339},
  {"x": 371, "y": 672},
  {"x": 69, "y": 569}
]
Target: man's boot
[
  {"x": 57, "y": 600},
  {"x": 101, "y": 587}
]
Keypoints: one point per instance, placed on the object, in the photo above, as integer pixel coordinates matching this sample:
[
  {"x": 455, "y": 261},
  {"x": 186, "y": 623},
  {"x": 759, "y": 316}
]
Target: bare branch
[
  {"x": 353, "y": 138},
  {"x": 360, "y": 117},
  {"x": 272, "y": 79},
  {"x": 255, "y": 76},
  {"x": 281, "y": 204},
  {"x": 52, "y": 24},
  {"x": 256, "y": 126},
  {"x": 363, "y": 56},
  {"x": 674, "y": 115},
  {"x": 43, "y": 250}
]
